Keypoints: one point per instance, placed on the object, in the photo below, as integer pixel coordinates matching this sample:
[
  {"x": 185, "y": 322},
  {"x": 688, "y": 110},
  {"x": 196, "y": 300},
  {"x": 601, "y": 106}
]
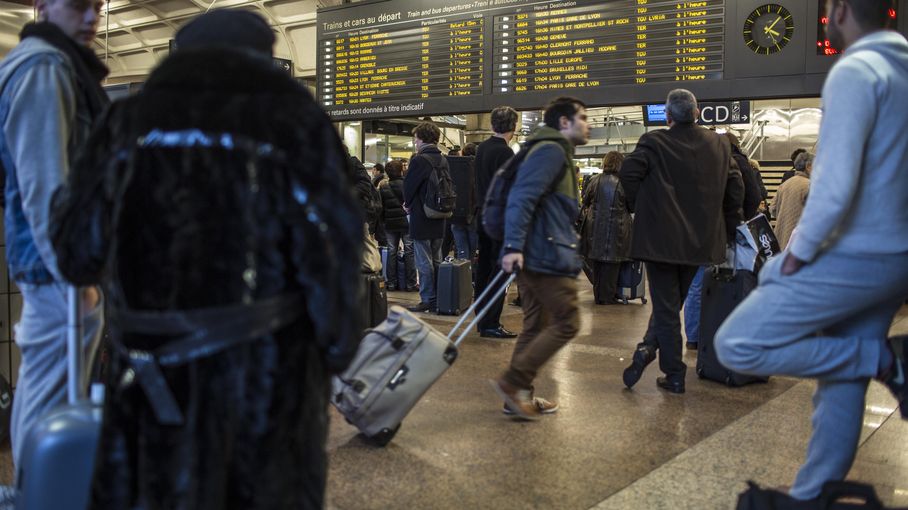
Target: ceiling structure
[{"x": 135, "y": 35}]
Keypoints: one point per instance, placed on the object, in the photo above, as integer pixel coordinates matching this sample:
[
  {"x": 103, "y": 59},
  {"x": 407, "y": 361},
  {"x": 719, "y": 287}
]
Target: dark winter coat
[
  {"x": 491, "y": 155},
  {"x": 392, "y": 197},
  {"x": 753, "y": 184},
  {"x": 221, "y": 184},
  {"x": 368, "y": 197},
  {"x": 463, "y": 173},
  {"x": 543, "y": 207},
  {"x": 421, "y": 167},
  {"x": 686, "y": 191},
  {"x": 605, "y": 223}
]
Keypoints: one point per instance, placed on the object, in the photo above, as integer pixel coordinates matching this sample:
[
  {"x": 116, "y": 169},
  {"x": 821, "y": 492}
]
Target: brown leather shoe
[{"x": 516, "y": 399}]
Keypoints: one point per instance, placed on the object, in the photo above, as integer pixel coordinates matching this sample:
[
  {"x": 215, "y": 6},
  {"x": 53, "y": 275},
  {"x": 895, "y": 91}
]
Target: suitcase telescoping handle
[
  {"x": 499, "y": 292},
  {"x": 73, "y": 344}
]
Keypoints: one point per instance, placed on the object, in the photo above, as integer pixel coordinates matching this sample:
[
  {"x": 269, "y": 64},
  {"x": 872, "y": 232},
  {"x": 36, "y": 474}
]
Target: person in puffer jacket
[{"x": 397, "y": 230}]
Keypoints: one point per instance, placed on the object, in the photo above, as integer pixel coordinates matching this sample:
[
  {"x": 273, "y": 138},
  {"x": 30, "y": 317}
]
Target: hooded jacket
[
  {"x": 858, "y": 203},
  {"x": 686, "y": 192},
  {"x": 543, "y": 207}
]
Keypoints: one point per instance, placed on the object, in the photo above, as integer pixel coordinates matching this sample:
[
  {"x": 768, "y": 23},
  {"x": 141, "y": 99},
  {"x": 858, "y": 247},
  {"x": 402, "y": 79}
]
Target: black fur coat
[{"x": 183, "y": 228}]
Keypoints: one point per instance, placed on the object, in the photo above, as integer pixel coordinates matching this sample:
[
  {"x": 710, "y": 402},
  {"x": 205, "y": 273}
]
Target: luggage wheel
[{"x": 385, "y": 436}]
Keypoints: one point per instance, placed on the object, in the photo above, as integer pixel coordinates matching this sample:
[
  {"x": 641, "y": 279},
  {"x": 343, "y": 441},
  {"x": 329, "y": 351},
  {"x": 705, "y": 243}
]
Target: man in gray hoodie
[
  {"x": 824, "y": 307},
  {"x": 50, "y": 95}
]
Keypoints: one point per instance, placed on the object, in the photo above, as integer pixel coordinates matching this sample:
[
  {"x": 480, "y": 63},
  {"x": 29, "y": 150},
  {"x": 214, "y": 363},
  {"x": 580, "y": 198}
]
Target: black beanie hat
[{"x": 224, "y": 27}]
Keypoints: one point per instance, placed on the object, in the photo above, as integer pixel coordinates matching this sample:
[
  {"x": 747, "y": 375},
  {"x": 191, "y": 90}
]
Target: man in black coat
[
  {"x": 427, "y": 233},
  {"x": 681, "y": 183},
  {"x": 490, "y": 156}
]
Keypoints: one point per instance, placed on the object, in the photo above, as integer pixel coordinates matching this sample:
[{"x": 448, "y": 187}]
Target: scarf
[{"x": 89, "y": 68}]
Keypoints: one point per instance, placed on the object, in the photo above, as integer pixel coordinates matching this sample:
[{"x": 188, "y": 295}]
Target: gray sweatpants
[{"x": 41, "y": 337}]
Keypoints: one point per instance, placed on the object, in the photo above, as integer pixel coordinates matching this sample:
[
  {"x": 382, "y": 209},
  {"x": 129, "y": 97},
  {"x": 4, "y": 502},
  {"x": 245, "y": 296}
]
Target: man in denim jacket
[
  {"x": 540, "y": 240},
  {"x": 50, "y": 94}
]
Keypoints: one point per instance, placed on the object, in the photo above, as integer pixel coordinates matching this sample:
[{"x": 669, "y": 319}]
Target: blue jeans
[
  {"x": 692, "y": 308},
  {"x": 466, "y": 240},
  {"x": 41, "y": 337},
  {"x": 828, "y": 322},
  {"x": 394, "y": 241},
  {"x": 428, "y": 258}
]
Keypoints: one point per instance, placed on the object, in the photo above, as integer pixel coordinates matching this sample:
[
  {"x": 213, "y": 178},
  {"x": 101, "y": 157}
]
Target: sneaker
[
  {"x": 542, "y": 405},
  {"x": 516, "y": 399},
  {"x": 897, "y": 377}
]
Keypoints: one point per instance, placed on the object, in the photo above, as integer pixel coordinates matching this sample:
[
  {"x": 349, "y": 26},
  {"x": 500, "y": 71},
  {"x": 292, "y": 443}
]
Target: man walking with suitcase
[
  {"x": 681, "y": 182},
  {"x": 823, "y": 307},
  {"x": 540, "y": 241},
  {"x": 50, "y": 95}
]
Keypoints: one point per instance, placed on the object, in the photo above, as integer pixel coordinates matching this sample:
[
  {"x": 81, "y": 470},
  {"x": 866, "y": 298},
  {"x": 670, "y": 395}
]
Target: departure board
[
  {"x": 411, "y": 58},
  {"x": 618, "y": 43}
]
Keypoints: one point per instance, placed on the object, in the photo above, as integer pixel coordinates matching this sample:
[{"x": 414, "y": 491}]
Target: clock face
[{"x": 768, "y": 29}]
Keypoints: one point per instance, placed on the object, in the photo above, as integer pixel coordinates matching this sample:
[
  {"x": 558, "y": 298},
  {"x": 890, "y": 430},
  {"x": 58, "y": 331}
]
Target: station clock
[{"x": 768, "y": 29}]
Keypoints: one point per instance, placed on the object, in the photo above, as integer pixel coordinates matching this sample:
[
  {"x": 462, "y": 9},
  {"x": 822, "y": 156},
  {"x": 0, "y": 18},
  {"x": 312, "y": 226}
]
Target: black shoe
[
  {"x": 412, "y": 289},
  {"x": 644, "y": 355},
  {"x": 390, "y": 288},
  {"x": 692, "y": 346},
  {"x": 897, "y": 378},
  {"x": 671, "y": 386},
  {"x": 498, "y": 332},
  {"x": 422, "y": 307}
]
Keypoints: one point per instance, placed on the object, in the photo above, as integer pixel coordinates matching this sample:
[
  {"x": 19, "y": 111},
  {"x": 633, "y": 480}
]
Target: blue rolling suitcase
[
  {"x": 632, "y": 281},
  {"x": 58, "y": 456}
]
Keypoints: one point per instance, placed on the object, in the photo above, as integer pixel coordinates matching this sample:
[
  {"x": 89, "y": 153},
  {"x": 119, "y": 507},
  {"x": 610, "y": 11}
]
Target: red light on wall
[{"x": 892, "y": 13}]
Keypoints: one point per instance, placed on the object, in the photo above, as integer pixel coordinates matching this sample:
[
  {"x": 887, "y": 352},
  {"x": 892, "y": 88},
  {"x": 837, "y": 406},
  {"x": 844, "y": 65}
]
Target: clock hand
[
  {"x": 774, "y": 23},
  {"x": 773, "y": 32}
]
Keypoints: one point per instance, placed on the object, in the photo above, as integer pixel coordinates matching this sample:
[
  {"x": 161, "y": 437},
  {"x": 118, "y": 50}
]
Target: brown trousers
[{"x": 550, "y": 320}]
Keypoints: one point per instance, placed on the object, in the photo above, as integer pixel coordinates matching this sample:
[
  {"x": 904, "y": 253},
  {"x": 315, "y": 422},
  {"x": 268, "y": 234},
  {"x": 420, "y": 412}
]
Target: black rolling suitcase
[
  {"x": 396, "y": 363},
  {"x": 455, "y": 286},
  {"x": 722, "y": 291},
  {"x": 376, "y": 304},
  {"x": 59, "y": 452}
]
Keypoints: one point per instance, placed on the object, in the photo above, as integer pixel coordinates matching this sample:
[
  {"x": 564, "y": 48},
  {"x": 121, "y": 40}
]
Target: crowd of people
[{"x": 214, "y": 222}]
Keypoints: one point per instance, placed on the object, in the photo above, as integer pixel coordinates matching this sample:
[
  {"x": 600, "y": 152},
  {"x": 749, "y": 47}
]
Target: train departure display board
[{"x": 394, "y": 58}]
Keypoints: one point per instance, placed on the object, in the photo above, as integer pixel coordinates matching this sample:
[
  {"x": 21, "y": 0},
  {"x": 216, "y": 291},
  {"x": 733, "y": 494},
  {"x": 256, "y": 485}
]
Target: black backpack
[
  {"x": 496, "y": 200},
  {"x": 439, "y": 199}
]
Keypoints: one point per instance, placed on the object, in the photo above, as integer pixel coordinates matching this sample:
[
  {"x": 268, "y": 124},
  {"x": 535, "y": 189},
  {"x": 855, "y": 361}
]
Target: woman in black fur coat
[{"x": 214, "y": 208}]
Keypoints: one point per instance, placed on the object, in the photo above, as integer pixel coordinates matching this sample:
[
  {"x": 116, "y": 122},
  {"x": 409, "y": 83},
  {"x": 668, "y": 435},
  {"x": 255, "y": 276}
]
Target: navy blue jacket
[
  {"x": 543, "y": 206},
  {"x": 421, "y": 227}
]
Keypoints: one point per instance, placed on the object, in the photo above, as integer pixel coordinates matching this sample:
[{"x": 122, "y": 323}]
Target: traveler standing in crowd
[
  {"x": 540, "y": 242},
  {"x": 50, "y": 96},
  {"x": 463, "y": 222},
  {"x": 469, "y": 149},
  {"x": 686, "y": 191},
  {"x": 215, "y": 207},
  {"x": 791, "y": 197},
  {"x": 754, "y": 195},
  {"x": 378, "y": 175},
  {"x": 427, "y": 233},
  {"x": 605, "y": 232},
  {"x": 397, "y": 228},
  {"x": 834, "y": 291},
  {"x": 790, "y": 173},
  {"x": 491, "y": 155}
]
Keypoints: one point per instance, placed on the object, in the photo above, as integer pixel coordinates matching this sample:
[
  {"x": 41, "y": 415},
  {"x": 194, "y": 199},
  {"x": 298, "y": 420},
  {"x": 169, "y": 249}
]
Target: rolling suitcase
[
  {"x": 632, "y": 281},
  {"x": 376, "y": 305},
  {"x": 397, "y": 362},
  {"x": 59, "y": 452},
  {"x": 722, "y": 291},
  {"x": 455, "y": 286}
]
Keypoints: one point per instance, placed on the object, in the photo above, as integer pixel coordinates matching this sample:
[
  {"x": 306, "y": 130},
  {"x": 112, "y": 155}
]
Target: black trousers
[
  {"x": 487, "y": 268},
  {"x": 605, "y": 281},
  {"x": 668, "y": 284}
]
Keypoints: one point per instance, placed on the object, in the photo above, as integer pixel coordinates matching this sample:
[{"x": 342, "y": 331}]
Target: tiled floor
[{"x": 607, "y": 448}]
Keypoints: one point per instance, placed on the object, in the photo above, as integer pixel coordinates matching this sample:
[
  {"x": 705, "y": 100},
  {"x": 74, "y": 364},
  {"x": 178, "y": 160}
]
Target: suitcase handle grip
[
  {"x": 73, "y": 342},
  {"x": 479, "y": 315}
]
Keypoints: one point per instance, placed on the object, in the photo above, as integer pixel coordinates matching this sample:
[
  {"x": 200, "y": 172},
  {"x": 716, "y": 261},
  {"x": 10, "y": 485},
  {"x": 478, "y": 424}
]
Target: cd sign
[{"x": 711, "y": 114}]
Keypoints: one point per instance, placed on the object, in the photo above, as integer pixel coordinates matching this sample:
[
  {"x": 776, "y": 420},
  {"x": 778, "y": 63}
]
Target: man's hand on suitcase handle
[
  {"x": 512, "y": 262},
  {"x": 91, "y": 296}
]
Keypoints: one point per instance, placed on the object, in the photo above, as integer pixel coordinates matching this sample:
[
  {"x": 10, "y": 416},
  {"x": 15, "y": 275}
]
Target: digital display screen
[
  {"x": 654, "y": 114},
  {"x": 412, "y": 57},
  {"x": 824, "y": 47}
]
